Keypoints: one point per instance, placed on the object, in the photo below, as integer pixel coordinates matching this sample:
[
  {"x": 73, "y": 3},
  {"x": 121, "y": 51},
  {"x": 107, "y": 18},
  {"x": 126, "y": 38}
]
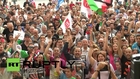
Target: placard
[
  {"x": 21, "y": 37},
  {"x": 31, "y": 71}
]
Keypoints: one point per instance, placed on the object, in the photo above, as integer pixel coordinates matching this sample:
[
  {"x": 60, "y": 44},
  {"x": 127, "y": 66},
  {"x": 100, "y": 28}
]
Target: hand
[
  {"x": 91, "y": 31},
  {"x": 48, "y": 55},
  {"x": 16, "y": 74},
  {"x": 68, "y": 32},
  {"x": 16, "y": 37},
  {"x": 107, "y": 32},
  {"x": 50, "y": 42},
  {"x": 91, "y": 43},
  {"x": 33, "y": 76},
  {"x": 57, "y": 59},
  {"x": 83, "y": 65},
  {"x": 42, "y": 43},
  {"x": 101, "y": 65},
  {"x": 78, "y": 77},
  {"x": 68, "y": 38},
  {"x": 104, "y": 19},
  {"x": 10, "y": 45},
  {"x": 33, "y": 52}
]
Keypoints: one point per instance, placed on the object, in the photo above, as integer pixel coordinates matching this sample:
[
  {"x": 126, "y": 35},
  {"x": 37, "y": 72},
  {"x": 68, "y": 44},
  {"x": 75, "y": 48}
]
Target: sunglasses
[{"x": 31, "y": 46}]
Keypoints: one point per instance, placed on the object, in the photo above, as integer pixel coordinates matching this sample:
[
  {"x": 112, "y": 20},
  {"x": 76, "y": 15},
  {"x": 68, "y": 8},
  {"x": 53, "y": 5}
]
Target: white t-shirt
[
  {"x": 105, "y": 74},
  {"x": 6, "y": 74}
]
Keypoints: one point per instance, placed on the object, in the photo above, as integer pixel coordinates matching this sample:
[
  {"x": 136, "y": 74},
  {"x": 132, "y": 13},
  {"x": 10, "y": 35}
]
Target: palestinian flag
[
  {"x": 97, "y": 6},
  {"x": 107, "y": 2}
]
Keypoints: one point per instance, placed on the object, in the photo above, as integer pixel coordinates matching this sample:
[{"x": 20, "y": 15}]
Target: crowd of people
[{"x": 102, "y": 45}]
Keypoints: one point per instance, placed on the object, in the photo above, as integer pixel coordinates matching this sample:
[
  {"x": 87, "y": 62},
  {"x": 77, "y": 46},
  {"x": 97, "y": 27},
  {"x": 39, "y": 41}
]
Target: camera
[
  {"x": 3, "y": 63},
  {"x": 105, "y": 68}
]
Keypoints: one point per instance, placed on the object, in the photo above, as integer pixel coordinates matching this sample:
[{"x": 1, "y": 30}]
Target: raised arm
[
  {"x": 119, "y": 45},
  {"x": 69, "y": 36},
  {"x": 137, "y": 26},
  {"x": 65, "y": 50},
  {"x": 15, "y": 41},
  {"x": 58, "y": 68},
  {"x": 113, "y": 76},
  {"x": 91, "y": 51},
  {"x": 130, "y": 26},
  {"x": 91, "y": 35},
  {"x": 47, "y": 48},
  {"x": 106, "y": 47},
  {"x": 100, "y": 66},
  {"x": 9, "y": 46},
  {"x": 42, "y": 44},
  {"x": 103, "y": 23}
]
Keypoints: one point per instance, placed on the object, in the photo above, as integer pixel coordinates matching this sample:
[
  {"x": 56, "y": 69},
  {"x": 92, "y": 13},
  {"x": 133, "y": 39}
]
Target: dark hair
[
  {"x": 71, "y": 69},
  {"x": 18, "y": 77},
  {"x": 27, "y": 35},
  {"x": 11, "y": 34},
  {"x": 124, "y": 45},
  {"x": 100, "y": 54}
]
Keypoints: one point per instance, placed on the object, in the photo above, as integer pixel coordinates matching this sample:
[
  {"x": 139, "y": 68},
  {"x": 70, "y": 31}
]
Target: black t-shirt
[
  {"x": 24, "y": 47},
  {"x": 7, "y": 32},
  {"x": 3, "y": 54},
  {"x": 124, "y": 66}
]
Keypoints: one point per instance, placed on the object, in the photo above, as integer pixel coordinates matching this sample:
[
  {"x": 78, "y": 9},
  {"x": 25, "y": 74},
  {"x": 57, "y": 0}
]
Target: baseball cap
[{"x": 36, "y": 45}]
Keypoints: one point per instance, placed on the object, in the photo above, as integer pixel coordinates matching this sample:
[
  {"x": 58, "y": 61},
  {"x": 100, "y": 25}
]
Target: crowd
[{"x": 102, "y": 45}]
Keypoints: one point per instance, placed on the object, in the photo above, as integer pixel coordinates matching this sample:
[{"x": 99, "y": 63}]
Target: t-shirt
[
  {"x": 53, "y": 73},
  {"x": 7, "y": 32},
  {"x": 135, "y": 46},
  {"x": 6, "y": 74},
  {"x": 63, "y": 76},
  {"x": 105, "y": 74},
  {"x": 3, "y": 54},
  {"x": 24, "y": 47},
  {"x": 125, "y": 66}
]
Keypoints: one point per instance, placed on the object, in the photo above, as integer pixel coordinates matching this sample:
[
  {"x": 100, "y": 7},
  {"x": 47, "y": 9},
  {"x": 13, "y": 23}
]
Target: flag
[
  {"x": 85, "y": 8},
  {"x": 59, "y": 4},
  {"x": 97, "y": 6},
  {"x": 67, "y": 23},
  {"x": 107, "y": 2},
  {"x": 19, "y": 41},
  {"x": 24, "y": 54}
]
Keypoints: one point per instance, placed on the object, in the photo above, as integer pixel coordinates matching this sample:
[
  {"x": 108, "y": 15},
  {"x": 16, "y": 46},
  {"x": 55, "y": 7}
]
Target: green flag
[
  {"x": 60, "y": 21},
  {"x": 19, "y": 41},
  {"x": 72, "y": 78},
  {"x": 24, "y": 54},
  {"x": 101, "y": 23}
]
